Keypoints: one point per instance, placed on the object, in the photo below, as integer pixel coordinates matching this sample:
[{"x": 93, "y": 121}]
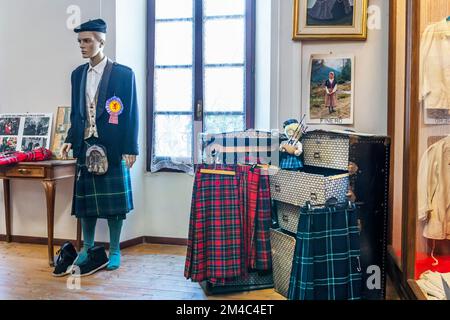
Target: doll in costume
[{"x": 292, "y": 149}]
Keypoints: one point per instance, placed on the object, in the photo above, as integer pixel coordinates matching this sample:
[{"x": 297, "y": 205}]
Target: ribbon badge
[{"x": 114, "y": 107}]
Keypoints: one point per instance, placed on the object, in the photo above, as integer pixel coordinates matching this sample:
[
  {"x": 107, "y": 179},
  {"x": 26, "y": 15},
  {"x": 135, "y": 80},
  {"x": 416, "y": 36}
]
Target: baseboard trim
[
  {"x": 167, "y": 241},
  {"x": 125, "y": 244}
]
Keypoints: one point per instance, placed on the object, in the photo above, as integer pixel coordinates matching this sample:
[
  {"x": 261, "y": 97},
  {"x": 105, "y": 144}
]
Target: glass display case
[{"x": 419, "y": 124}]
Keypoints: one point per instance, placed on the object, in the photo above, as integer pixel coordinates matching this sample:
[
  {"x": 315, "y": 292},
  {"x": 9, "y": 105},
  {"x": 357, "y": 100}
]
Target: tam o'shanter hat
[
  {"x": 97, "y": 25},
  {"x": 289, "y": 122}
]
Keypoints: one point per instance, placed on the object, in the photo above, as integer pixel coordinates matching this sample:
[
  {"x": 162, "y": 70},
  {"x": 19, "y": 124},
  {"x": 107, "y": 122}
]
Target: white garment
[
  {"x": 435, "y": 66},
  {"x": 431, "y": 284},
  {"x": 94, "y": 76},
  {"x": 433, "y": 191}
]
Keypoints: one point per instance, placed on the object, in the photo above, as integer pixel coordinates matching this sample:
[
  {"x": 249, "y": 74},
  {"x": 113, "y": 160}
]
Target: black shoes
[
  {"x": 97, "y": 260},
  {"x": 66, "y": 256}
]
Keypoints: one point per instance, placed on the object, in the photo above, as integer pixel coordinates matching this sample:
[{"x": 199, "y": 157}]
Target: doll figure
[{"x": 292, "y": 149}]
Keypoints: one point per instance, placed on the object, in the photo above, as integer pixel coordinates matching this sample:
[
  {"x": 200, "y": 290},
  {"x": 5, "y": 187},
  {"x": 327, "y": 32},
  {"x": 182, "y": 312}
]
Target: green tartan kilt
[{"x": 107, "y": 196}]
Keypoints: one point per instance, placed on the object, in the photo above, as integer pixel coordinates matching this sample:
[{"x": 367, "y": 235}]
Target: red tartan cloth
[
  {"x": 214, "y": 244},
  {"x": 263, "y": 223},
  {"x": 230, "y": 225},
  {"x": 8, "y": 158}
]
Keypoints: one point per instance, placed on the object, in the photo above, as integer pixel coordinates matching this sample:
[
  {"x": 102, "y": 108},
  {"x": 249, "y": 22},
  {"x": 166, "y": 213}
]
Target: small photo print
[
  {"x": 9, "y": 126},
  {"x": 33, "y": 143},
  {"x": 36, "y": 126},
  {"x": 8, "y": 144},
  {"x": 331, "y": 89}
]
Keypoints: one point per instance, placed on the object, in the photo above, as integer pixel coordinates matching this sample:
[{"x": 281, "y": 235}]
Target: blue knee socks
[
  {"x": 115, "y": 227},
  {"x": 88, "y": 227}
]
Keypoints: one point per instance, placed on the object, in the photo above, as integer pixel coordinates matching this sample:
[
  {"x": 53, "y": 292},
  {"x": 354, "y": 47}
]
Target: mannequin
[{"x": 104, "y": 112}]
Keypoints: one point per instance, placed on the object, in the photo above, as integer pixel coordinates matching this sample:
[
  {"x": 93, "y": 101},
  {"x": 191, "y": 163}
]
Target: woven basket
[{"x": 283, "y": 248}]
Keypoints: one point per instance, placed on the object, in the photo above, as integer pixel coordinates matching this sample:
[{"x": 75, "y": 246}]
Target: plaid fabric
[
  {"x": 215, "y": 228},
  {"x": 326, "y": 263},
  {"x": 290, "y": 162},
  {"x": 252, "y": 188},
  {"x": 263, "y": 223},
  {"x": 106, "y": 197},
  {"x": 229, "y": 225},
  {"x": 40, "y": 154}
]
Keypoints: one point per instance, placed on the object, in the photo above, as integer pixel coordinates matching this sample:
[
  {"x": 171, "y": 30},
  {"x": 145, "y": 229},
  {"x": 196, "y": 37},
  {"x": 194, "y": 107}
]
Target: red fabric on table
[{"x": 9, "y": 158}]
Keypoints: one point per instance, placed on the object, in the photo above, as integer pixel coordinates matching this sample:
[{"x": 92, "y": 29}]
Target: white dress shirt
[{"x": 94, "y": 76}]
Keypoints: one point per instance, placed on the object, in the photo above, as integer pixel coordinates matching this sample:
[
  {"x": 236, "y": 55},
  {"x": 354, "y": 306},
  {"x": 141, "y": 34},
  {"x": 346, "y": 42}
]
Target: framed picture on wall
[
  {"x": 62, "y": 126},
  {"x": 330, "y": 20},
  {"x": 331, "y": 89},
  {"x": 25, "y": 132}
]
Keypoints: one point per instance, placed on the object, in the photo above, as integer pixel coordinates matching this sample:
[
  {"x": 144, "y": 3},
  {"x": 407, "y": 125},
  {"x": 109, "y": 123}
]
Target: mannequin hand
[
  {"x": 298, "y": 153},
  {"x": 65, "y": 150},
  {"x": 130, "y": 160}
]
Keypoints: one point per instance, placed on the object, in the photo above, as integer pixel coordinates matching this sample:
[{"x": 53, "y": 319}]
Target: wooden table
[{"x": 48, "y": 173}]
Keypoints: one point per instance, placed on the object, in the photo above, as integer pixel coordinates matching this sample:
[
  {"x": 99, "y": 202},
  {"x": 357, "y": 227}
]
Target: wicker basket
[
  {"x": 313, "y": 185},
  {"x": 283, "y": 248},
  {"x": 288, "y": 216}
]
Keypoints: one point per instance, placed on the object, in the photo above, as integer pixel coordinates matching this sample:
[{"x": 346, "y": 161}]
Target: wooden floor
[{"x": 148, "y": 272}]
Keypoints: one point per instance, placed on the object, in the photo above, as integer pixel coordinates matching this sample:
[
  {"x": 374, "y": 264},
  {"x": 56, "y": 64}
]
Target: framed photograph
[
  {"x": 330, "y": 20},
  {"x": 331, "y": 89},
  {"x": 62, "y": 126},
  {"x": 25, "y": 132}
]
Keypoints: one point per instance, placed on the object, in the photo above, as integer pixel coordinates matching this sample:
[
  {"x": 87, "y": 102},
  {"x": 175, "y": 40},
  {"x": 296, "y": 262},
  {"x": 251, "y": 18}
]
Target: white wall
[
  {"x": 371, "y": 72},
  {"x": 131, "y": 51}
]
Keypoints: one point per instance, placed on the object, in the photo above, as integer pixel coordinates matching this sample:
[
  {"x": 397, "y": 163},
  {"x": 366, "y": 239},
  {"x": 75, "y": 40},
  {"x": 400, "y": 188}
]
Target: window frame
[{"x": 250, "y": 51}]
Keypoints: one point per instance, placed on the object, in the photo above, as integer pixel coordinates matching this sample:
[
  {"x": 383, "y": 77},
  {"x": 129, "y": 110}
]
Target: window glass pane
[
  {"x": 224, "y": 89},
  {"x": 173, "y": 43},
  {"x": 224, "y": 7},
  {"x": 224, "y": 41},
  {"x": 173, "y": 89},
  {"x": 173, "y": 136},
  {"x": 170, "y": 9},
  {"x": 223, "y": 123}
]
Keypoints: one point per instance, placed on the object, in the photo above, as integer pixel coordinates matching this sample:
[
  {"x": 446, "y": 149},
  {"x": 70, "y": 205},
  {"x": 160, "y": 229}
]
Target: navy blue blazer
[{"x": 119, "y": 139}]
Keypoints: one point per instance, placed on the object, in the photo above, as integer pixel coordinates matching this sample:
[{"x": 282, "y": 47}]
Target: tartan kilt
[
  {"x": 215, "y": 228},
  {"x": 263, "y": 224},
  {"x": 290, "y": 162},
  {"x": 326, "y": 263},
  {"x": 107, "y": 196}
]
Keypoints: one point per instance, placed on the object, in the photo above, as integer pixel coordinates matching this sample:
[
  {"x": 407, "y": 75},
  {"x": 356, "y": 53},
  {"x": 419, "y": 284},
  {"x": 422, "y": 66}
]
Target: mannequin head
[{"x": 92, "y": 43}]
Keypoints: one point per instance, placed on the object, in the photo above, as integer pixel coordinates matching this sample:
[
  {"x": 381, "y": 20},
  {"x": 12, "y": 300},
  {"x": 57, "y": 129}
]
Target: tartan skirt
[
  {"x": 215, "y": 239},
  {"x": 107, "y": 196},
  {"x": 290, "y": 162},
  {"x": 326, "y": 263},
  {"x": 229, "y": 225}
]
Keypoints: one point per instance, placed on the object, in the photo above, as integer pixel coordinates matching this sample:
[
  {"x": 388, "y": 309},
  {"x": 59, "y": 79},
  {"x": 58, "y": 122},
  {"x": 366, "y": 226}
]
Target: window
[{"x": 201, "y": 75}]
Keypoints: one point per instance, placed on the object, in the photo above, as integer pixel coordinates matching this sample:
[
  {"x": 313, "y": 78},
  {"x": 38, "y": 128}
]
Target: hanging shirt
[
  {"x": 94, "y": 76},
  {"x": 435, "y": 66},
  {"x": 434, "y": 191}
]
